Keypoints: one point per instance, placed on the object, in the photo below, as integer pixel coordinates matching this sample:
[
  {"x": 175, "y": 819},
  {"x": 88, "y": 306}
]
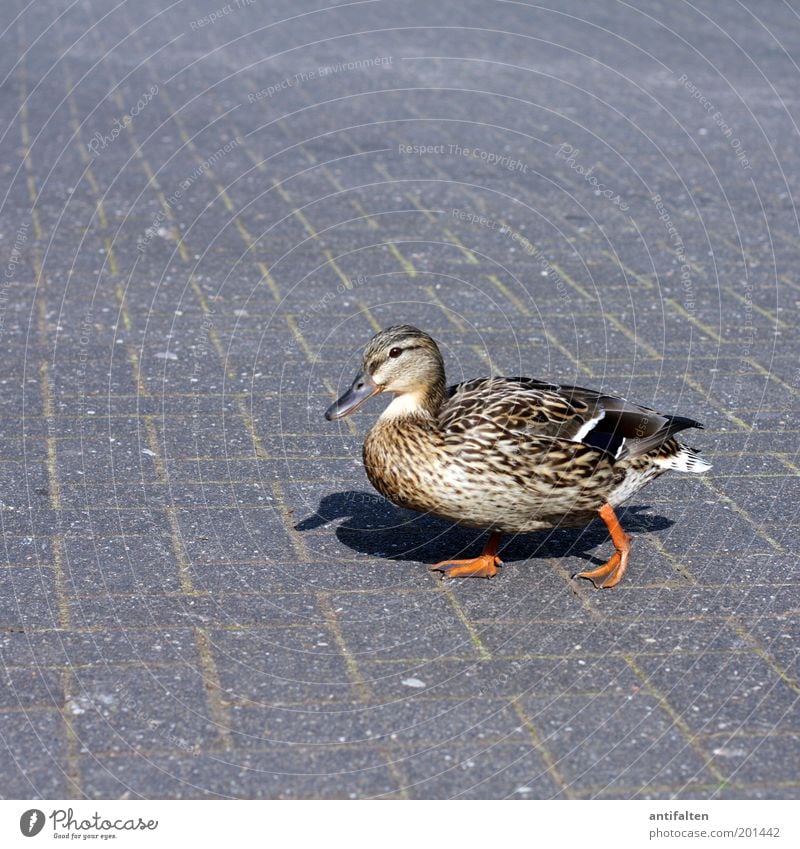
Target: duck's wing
[{"x": 504, "y": 406}]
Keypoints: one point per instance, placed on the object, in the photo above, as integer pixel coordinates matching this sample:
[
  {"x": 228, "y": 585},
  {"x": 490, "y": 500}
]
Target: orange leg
[
  {"x": 612, "y": 571},
  {"x": 483, "y": 566}
]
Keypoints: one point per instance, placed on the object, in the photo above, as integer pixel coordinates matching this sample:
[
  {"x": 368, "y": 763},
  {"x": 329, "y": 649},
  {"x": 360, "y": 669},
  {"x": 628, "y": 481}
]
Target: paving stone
[
  {"x": 537, "y": 639},
  {"x": 422, "y": 721},
  {"x": 34, "y": 755},
  {"x": 27, "y": 549},
  {"x": 616, "y": 740},
  {"x": 499, "y": 678},
  {"x": 722, "y": 693},
  {"x": 744, "y": 760},
  {"x": 320, "y": 726},
  {"x": 29, "y": 597},
  {"x": 778, "y": 636},
  {"x": 496, "y": 771},
  {"x": 414, "y": 625},
  {"x": 235, "y": 611},
  {"x": 129, "y": 564},
  {"x": 124, "y": 710},
  {"x": 276, "y": 773},
  {"x": 61, "y": 648},
  {"x": 33, "y": 687},
  {"x": 232, "y": 534},
  {"x": 281, "y": 666}
]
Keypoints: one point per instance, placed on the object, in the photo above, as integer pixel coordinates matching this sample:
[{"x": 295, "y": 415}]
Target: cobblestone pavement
[{"x": 207, "y": 209}]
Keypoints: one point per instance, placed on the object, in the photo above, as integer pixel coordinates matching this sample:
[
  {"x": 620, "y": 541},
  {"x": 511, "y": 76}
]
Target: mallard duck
[{"x": 506, "y": 454}]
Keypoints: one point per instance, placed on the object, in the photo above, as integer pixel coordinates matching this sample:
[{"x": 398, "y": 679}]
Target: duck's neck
[{"x": 424, "y": 402}]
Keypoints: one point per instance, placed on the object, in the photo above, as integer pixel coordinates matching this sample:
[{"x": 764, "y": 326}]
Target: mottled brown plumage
[{"x": 509, "y": 454}]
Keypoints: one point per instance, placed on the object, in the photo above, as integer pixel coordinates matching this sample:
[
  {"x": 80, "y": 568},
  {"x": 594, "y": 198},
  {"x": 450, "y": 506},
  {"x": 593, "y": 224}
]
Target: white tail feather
[{"x": 685, "y": 460}]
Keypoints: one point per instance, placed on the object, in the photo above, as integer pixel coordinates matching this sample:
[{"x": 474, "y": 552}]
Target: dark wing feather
[
  {"x": 494, "y": 406},
  {"x": 515, "y": 404},
  {"x": 626, "y": 430}
]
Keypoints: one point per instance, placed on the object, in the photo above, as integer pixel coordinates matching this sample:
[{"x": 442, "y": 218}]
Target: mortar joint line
[
  {"x": 213, "y": 688},
  {"x": 677, "y": 719}
]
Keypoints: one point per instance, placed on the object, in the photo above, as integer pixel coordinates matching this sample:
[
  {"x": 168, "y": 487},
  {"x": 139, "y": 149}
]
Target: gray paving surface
[{"x": 199, "y": 594}]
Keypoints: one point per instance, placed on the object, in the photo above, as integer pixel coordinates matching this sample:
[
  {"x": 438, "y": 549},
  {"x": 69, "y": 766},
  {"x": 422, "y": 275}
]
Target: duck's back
[
  {"x": 526, "y": 405},
  {"x": 518, "y": 454}
]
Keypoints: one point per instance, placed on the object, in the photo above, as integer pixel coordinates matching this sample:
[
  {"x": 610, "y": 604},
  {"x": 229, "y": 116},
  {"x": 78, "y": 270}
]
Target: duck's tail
[{"x": 683, "y": 460}]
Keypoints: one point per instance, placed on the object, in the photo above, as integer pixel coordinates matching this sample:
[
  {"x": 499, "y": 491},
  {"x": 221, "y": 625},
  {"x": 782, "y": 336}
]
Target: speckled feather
[{"x": 513, "y": 454}]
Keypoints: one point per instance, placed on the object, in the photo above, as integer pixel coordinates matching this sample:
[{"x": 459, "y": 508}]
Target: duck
[{"x": 509, "y": 455}]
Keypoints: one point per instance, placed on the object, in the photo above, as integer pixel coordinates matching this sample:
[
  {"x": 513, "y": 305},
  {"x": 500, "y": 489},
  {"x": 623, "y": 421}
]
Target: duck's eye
[{"x": 395, "y": 352}]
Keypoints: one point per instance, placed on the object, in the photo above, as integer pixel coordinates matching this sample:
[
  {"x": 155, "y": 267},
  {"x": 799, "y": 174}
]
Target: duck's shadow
[{"x": 374, "y": 526}]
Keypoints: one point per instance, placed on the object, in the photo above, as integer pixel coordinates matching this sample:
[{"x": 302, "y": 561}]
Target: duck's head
[{"x": 401, "y": 360}]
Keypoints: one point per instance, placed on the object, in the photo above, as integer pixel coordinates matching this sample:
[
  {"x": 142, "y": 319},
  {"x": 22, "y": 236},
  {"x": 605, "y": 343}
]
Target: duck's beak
[{"x": 362, "y": 388}]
